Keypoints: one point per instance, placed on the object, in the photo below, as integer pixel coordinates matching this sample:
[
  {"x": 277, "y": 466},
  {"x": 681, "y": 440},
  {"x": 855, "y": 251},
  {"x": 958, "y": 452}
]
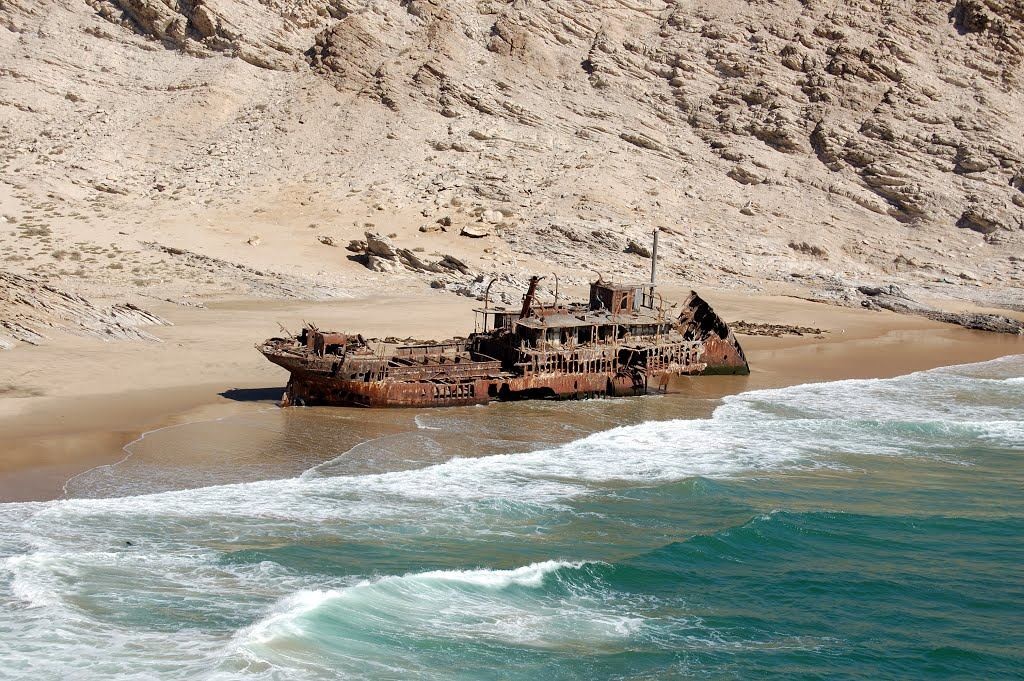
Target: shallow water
[{"x": 867, "y": 528}]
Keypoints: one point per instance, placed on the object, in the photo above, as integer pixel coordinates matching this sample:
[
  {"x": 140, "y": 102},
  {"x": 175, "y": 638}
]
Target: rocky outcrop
[
  {"x": 31, "y": 309},
  {"x": 840, "y": 84},
  {"x": 380, "y": 245},
  {"x": 808, "y": 249},
  {"x": 894, "y": 299},
  {"x": 380, "y": 254},
  {"x": 746, "y": 175},
  {"x": 250, "y": 31},
  {"x": 908, "y": 199},
  {"x": 988, "y": 218}
]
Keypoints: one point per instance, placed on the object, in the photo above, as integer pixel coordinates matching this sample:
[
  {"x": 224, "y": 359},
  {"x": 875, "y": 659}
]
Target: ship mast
[{"x": 654, "y": 265}]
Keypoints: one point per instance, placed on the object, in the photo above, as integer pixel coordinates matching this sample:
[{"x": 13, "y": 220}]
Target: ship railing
[
  {"x": 576, "y": 361},
  {"x": 433, "y": 349},
  {"x": 438, "y": 371},
  {"x": 656, "y": 357},
  {"x": 666, "y": 356}
]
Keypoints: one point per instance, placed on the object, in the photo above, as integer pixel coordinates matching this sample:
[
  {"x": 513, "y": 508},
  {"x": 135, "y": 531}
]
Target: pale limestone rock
[{"x": 380, "y": 245}]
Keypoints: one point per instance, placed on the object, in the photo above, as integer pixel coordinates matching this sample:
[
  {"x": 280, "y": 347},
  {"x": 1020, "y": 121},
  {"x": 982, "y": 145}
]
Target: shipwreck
[{"x": 622, "y": 341}]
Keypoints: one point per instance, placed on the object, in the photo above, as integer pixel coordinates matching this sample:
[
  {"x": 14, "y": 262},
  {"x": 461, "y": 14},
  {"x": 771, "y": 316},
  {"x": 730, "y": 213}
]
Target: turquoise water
[{"x": 857, "y": 529}]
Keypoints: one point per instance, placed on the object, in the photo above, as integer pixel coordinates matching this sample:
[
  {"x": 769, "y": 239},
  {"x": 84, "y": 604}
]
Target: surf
[{"x": 526, "y": 555}]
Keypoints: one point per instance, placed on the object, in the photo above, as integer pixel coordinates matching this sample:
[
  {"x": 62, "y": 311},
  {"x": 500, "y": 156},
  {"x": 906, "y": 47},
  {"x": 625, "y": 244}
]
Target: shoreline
[{"x": 206, "y": 369}]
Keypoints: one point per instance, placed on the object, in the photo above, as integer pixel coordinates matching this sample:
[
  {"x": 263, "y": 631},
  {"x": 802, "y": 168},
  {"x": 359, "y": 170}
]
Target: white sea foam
[
  {"x": 807, "y": 426},
  {"x": 38, "y": 592},
  {"x": 529, "y": 575}
]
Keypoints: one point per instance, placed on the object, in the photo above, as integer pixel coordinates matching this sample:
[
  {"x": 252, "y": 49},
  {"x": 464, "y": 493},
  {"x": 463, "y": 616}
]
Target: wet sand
[{"x": 73, "y": 405}]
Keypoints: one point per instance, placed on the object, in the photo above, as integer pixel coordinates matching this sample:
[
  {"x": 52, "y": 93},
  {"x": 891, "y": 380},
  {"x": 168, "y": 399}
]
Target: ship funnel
[{"x": 531, "y": 293}]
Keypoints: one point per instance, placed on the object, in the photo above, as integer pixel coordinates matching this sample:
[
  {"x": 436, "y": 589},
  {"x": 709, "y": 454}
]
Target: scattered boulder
[
  {"x": 892, "y": 290},
  {"x": 641, "y": 140},
  {"x": 1017, "y": 181},
  {"x": 108, "y": 188},
  {"x": 731, "y": 155},
  {"x": 380, "y": 254},
  {"x": 474, "y": 233},
  {"x": 452, "y": 263},
  {"x": 774, "y": 330},
  {"x": 808, "y": 249},
  {"x": 413, "y": 262},
  {"x": 977, "y": 220},
  {"x": 972, "y": 16},
  {"x": 637, "y": 249},
  {"x": 745, "y": 175},
  {"x": 254, "y": 240},
  {"x": 326, "y": 240},
  {"x": 379, "y": 245}
]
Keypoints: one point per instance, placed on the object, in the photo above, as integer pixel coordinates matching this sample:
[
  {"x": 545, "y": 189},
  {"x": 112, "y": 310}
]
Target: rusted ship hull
[
  {"x": 319, "y": 381},
  {"x": 318, "y": 390},
  {"x": 620, "y": 343},
  {"x": 373, "y": 382},
  {"x": 312, "y": 389}
]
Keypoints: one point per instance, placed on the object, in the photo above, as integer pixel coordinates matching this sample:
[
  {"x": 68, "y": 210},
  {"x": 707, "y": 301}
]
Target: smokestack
[{"x": 531, "y": 293}]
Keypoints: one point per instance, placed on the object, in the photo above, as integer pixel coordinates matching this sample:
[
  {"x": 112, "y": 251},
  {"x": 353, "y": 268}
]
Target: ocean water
[{"x": 854, "y": 529}]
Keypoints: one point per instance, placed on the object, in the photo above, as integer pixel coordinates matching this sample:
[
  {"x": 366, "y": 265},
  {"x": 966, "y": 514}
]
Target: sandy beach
[{"x": 75, "y": 403}]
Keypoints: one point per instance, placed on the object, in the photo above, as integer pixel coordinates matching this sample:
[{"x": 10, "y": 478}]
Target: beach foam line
[
  {"x": 934, "y": 392},
  {"x": 128, "y": 449},
  {"x": 738, "y": 439},
  {"x": 751, "y": 432}
]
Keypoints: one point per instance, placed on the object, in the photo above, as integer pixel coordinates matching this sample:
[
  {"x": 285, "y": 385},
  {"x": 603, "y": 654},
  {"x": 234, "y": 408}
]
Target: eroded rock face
[
  {"x": 845, "y": 86},
  {"x": 564, "y": 127},
  {"x": 251, "y": 31},
  {"x": 30, "y": 309}
]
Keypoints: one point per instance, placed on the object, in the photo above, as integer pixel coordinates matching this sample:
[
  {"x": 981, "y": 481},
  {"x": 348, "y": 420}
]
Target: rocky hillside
[{"x": 779, "y": 145}]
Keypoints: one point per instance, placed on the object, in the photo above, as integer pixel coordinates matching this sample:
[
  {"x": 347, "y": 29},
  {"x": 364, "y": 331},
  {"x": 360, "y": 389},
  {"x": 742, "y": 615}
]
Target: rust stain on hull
[{"x": 620, "y": 343}]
